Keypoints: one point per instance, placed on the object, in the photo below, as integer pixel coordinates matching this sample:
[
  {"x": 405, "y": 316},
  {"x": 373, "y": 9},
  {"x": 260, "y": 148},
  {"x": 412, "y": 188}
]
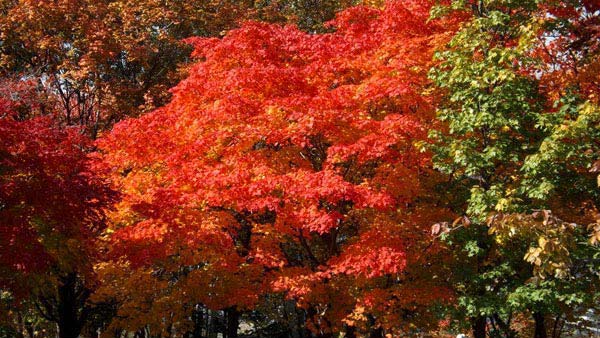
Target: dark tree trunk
[
  {"x": 72, "y": 296},
  {"x": 30, "y": 330},
  {"x": 540, "y": 325},
  {"x": 20, "y": 326},
  {"x": 212, "y": 324},
  {"x": 232, "y": 318},
  {"x": 198, "y": 319},
  {"x": 309, "y": 314},
  {"x": 374, "y": 332},
  {"x": 350, "y": 332},
  {"x": 504, "y": 325},
  {"x": 558, "y": 326},
  {"x": 478, "y": 325},
  {"x": 295, "y": 319}
]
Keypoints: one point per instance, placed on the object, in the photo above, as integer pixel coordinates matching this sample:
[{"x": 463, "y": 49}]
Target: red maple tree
[
  {"x": 292, "y": 155},
  {"x": 51, "y": 212}
]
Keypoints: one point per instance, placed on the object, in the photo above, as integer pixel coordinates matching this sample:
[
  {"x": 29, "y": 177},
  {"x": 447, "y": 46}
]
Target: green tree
[{"x": 518, "y": 158}]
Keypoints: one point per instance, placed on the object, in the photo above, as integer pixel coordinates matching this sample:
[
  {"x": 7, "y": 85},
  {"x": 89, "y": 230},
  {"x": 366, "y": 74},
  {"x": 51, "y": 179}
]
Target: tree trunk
[
  {"x": 70, "y": 302},
  {"x": 20, "y": 325},
  {"x": 198, "y": 319},
  {"x": 295, "y": 319},
  {"x": 232, "y": 318},
  {"x": 558, "y": 326},
  {"x": 211, "y": 329},
  {"x": 540, "y": 325},
  {"x": 30, "y": 330},
  {"x": 478, "y": 325},
  {"x": 309, "y": 314},
  {"x": 350, "y": 332},
  {"x": 374, "y": 332}
]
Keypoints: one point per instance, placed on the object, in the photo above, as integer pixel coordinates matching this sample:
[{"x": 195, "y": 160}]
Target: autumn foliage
[
  {"x": 406, "y": 168},
  {"x": 288, "y": 156},
  {"x": 42, "y": 229}
]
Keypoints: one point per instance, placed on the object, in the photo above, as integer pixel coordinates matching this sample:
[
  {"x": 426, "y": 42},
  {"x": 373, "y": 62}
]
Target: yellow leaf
[{"x": 542, "y": 242}]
